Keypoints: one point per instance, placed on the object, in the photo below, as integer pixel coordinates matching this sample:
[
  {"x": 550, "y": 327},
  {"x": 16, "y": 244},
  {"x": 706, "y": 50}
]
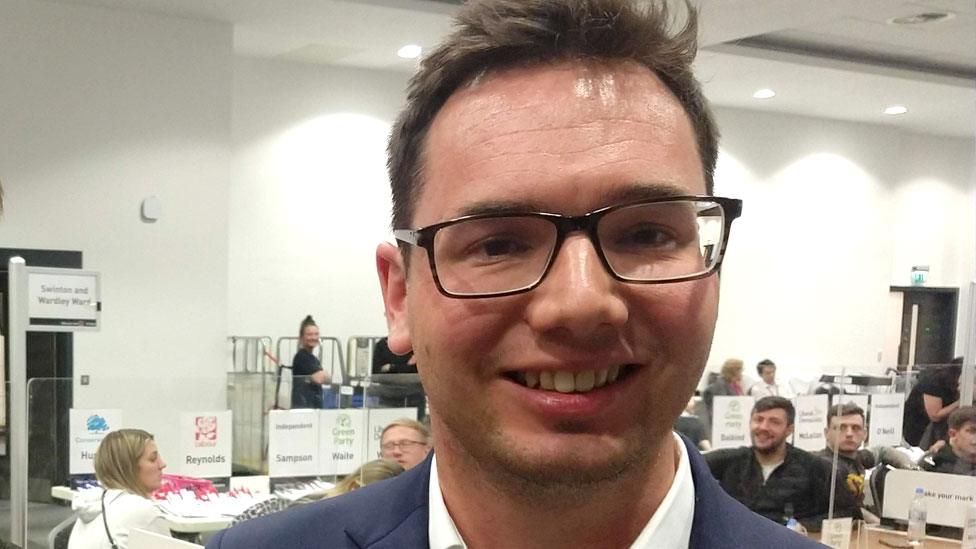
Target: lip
[{"x": 597, "y": 403}]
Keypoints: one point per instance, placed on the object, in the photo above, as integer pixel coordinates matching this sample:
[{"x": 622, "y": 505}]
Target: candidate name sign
[
  {"x": 293, "y": 443},
  {"x": 87, "y": 429},
  {"x": 730, "y": 421},
  {"x": 342, "y": 441},
  {"x": 811, "y": 419},
  {"x": 205, "y": 444}
]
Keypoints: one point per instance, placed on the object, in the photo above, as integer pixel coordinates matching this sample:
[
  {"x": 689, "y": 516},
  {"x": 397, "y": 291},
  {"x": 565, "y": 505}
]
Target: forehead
[
  {"x": 775, "y": 413},
  {"x": 848, "y": 419},
  {"x": 399, "y": 432},
  {"x": 149, "y": 448},
  {"x": 567, "y": 138}
]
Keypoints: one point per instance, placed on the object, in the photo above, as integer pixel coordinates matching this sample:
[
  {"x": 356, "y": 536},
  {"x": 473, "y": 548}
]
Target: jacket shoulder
[{"x": 384, "y": 513}]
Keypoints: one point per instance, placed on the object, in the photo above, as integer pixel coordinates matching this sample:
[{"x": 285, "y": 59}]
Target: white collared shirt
[
  {"x": 763, "y": 389},
  {"x": 677, "y": 510}
]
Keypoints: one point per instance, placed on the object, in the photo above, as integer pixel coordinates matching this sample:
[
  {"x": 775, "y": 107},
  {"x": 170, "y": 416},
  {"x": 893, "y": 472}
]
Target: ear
[
  {"x": 393, "y": 284},
  {"x": 789, "y": 430}
]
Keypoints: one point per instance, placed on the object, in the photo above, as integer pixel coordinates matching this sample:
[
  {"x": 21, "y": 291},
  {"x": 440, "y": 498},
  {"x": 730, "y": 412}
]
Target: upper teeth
[{"x": 569, "y": 382}]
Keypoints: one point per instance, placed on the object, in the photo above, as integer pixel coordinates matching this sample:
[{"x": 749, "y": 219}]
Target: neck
[
  {"x": 772, "y": 457},
  {"x": 494, "y": 511}
]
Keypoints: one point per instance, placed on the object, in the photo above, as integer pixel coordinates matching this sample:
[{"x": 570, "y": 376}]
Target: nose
[
  {"x": 578, "y": 298},
  {"x": 162, "y": 464}
]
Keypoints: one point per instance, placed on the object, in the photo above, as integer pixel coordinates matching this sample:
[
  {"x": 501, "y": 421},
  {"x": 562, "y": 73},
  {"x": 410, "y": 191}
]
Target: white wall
[
  {"x": 310, "y": 198},
  {"x": 99, "y": 109},
  {"x": 834, "y": 214}
]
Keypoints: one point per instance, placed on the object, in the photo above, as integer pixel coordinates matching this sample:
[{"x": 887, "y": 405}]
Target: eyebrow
[{"x": 634, "y": 192}]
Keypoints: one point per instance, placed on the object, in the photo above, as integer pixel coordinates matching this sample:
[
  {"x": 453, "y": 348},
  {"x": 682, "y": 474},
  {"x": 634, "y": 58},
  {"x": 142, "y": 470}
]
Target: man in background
[
  {"x": 958, "y": 457},
  {"x": 774, "y": 478},
  {"x": 768, "y": 385},
  {"x": 405, "y": 441}
]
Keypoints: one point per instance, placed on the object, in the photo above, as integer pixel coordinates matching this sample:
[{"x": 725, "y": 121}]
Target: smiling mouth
[{"x": 571, "y": 382}]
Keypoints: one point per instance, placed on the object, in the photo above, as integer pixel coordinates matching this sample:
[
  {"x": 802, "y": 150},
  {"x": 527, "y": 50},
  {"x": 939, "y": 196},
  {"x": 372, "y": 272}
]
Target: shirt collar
[{"x": 677, "y": 510}]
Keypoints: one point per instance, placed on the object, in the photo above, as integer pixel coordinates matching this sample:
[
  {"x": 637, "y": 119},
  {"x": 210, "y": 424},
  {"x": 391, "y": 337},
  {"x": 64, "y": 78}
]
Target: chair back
[{"x": 58, "y": 537}]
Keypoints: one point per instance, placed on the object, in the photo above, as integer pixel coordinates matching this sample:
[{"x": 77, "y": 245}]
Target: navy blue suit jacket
[{"x": 393, "y": 514}]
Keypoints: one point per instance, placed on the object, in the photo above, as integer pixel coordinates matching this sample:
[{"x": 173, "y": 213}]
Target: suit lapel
[{"x": 396, "y": 516}]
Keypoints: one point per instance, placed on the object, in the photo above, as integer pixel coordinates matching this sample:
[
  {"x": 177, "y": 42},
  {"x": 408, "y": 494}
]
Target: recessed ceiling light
[
  {"x": 921, "y": 18},
  {"x": 410, "y": 51},
  {"x": 764, "y": 93},
  {"x": 895, "y": 109}
]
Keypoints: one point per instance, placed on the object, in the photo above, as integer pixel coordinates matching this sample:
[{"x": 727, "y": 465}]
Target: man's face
[
  {"x": 565, "y": 139},
  {"x": 404, "y": 446},
  {"x": 963, "y": 441},
  {"x": 847, "y": 432},
  {"x": 769, "y": 430},
  {"x": 769, "y": 375}
]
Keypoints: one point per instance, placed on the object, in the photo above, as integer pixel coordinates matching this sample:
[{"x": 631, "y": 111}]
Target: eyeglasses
[
  {"x": 670, "y": 239},
  {"x": 402, "y": 445}
]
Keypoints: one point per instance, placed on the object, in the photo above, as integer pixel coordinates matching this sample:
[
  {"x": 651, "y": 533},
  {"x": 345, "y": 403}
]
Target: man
[
  {"x": 768, "y": 386},
  {"x": 405, "y": 441},
  {"x": 558, "y": 287},
  {"x": 959, "y": 456},
  {"x": 845, "y": 433},
  {"x": 775, "y": 479}
]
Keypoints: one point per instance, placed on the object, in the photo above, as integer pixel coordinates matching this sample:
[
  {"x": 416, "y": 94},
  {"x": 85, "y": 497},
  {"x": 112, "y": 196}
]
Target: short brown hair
[
  {"x": 493, "y": 35},
  {"x": 773, "y": 403},
  {"x": 962, "y": 416},
  {"x": 844, "y": 409},
  {"x": 117, "y": 460}
]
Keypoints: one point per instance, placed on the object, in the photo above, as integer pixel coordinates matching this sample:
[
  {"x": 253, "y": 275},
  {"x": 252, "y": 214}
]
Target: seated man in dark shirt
[
  {"x": 959, "y": 456},
  {"x": 771, "y": 477},
  {"x": 845, "y": 433}
]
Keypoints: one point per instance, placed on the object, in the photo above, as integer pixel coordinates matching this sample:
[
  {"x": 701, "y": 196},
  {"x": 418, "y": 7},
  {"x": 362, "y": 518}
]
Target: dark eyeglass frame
[
  {"x": 424, "y": 238},
  {"x": 401, "y": 445}
]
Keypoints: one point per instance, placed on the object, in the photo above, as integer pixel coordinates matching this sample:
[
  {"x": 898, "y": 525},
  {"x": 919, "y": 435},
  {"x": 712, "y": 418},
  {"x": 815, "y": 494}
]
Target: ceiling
[{"x": 839, "y": 59}]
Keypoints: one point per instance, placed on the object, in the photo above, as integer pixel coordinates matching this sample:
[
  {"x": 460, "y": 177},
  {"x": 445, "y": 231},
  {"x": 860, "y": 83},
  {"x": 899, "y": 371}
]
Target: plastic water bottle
[
  {"x": 916, "y": 519},
  {"x": 969, "y": 528}
]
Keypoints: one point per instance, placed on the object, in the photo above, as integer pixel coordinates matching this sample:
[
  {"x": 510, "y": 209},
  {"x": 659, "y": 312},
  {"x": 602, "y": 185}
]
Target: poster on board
[
  {"x": 730, "y": 421},
  {"x": 342, "y": 441},
  {"x": 87, "y": 428},
  {"x": 293, "y": 443},
  {"x": 205, "y": 444}
]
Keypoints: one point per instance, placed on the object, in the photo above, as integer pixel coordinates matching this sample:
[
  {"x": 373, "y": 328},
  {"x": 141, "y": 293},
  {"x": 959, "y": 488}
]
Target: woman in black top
[
  {"x": 307, "y": 374},
  {"x": 931, "y": 401}
]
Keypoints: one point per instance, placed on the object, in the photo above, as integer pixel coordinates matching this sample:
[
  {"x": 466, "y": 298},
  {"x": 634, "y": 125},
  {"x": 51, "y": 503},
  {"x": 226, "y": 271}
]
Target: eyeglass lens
[{"x": 643, "y": 242}]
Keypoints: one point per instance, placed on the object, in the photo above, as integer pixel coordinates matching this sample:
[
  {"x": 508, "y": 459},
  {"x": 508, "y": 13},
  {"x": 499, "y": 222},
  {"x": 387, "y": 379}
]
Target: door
[{"x": 928, "y": 325}]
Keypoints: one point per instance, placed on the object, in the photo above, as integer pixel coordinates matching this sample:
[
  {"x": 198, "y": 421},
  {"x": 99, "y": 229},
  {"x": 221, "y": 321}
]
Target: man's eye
[
  {"x": 502, "y": 246},
  {"x": 645, "y": 236}
]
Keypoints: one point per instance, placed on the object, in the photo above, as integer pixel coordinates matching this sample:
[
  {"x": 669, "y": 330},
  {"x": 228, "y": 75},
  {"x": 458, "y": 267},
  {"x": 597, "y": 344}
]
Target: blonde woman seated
[
  {"x": 367, "y": 473},
  {"x": 129, "y": 468}
]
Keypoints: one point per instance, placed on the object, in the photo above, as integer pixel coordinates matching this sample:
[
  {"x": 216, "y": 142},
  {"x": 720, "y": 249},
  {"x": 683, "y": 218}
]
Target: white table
[{"x": 182, "y": 525}]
